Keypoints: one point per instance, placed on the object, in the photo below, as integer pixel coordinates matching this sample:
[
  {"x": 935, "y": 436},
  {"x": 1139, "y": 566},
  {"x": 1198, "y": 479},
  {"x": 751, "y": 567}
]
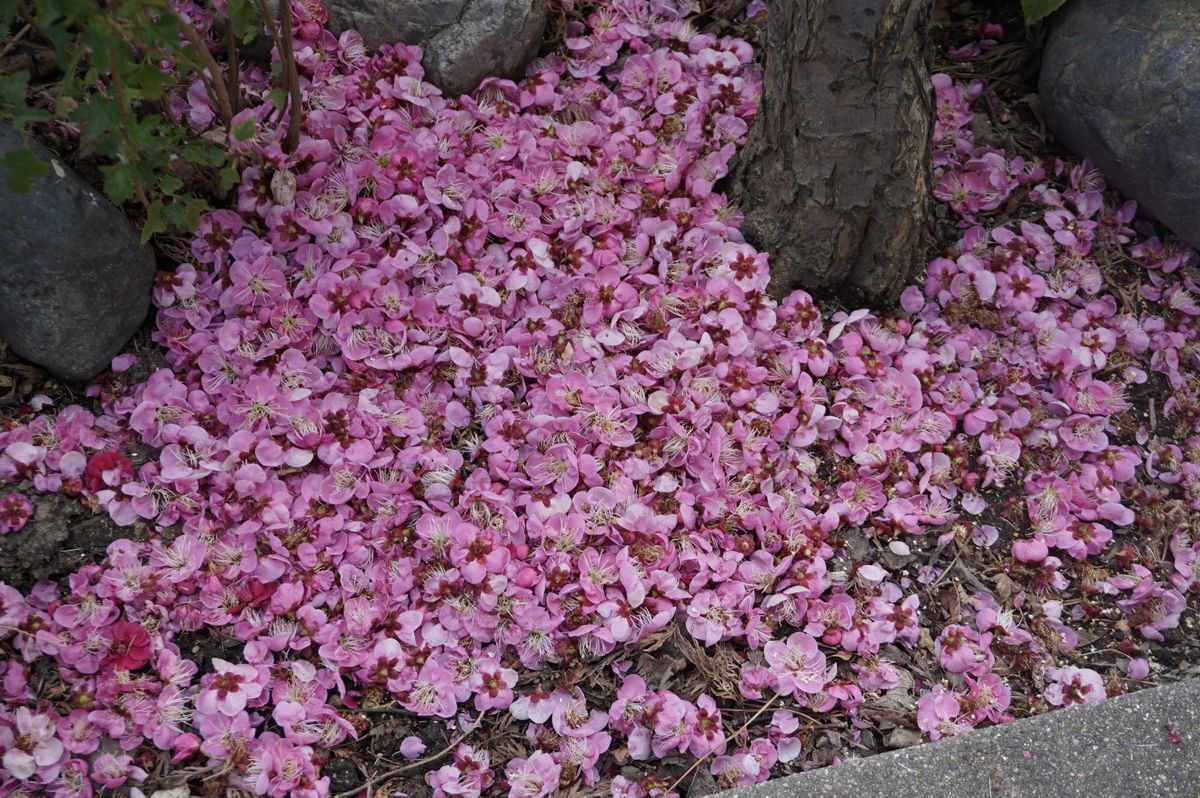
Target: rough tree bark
[{"x": 835, "y": 179}]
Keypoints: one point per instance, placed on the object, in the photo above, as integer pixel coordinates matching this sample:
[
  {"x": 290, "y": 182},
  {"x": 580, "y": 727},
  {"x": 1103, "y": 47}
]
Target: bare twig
[
  {"x": 382, "y": 777},
  {"x": 744, "y": 726},
  {"x": 216, "y": 86},
  {"x": 273, "y": 32},
  {"x": 233, "y": 78},
  {"x": 16, "y": 38},
  {"x": 291, "y": 78},
  {"x": 946, "y": 572},
  {"x": 282, "y": 36},
  {"x": 378, "y": 711}
]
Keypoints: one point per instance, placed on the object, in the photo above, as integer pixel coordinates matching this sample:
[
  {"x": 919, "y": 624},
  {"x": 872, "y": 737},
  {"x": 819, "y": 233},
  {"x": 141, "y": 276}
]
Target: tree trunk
[{"x": 835, "y": 179}]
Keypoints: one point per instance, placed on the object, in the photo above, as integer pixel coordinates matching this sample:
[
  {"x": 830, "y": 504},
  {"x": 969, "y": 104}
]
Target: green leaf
[
  {"x": 119, "y": 179},
  {"x": 230, "y": 176},
  {"x": 193, "y": 209},
  {"x": 204, "y": 154},
  {"x": 147, "y": 81},
  {"x": 12, "y": 87},
  {"x": 278, "y": 98},
  {"x": 1040, "y": 9},
  {"x": 155, "y": 221},
  {"x": 12, "y": 100},
  {"x": 22, "y": 169},
  {"x": 101, "y": 123},
  {"x": 169, "y": 184},
  {"x": 8, "y": 10},
  {"x": 13, "y": 105},
  {"x": 175, "y": 214},
  {"x": 244, "y": 130},
  {"x": 244, "y": 19}
]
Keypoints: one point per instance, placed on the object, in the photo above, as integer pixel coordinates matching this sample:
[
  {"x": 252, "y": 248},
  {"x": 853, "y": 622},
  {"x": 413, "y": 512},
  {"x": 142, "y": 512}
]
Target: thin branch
[
  {"x": 274, "y": 114},
  {"x": 745, "y": 726},
  {"x": 13, "y": 41},
  {"x": 382, "y": 777},
  {"x": 291, "y": 77},
  {"x": 282, "y": 36},
  {"x": 378, "y": 711},
  {"x": 946, "y": 572},
  {"x": 233, "y": 79},
  {"x": 215, "y": 85}
]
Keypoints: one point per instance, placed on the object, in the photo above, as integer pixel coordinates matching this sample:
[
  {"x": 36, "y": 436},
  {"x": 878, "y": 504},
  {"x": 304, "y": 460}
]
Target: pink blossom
[
  {"x": 1072, "y": 685},
  {"x": 493, "y": 685},
  {"x": 433, "y": 692},
  {"x": 797, "y": 664},
  {"x": 412, "y": 747},
  {"x": 31, "y": 746},
  {"x": 15, "y": 512},
  {"x": 535, "y": 777},
  {"x": 230, "y": 689},
  {"x": 939, "y": 712}
]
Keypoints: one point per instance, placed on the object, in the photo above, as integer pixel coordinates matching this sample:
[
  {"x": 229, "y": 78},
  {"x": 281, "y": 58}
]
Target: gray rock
[
  {"x": 1120, "y": 84},
  {"x": 464, "y": 41},
  {"x": 1144, "y": 744},
  {"x": 74, "y": 281},
  {"x": 390, "y": 21}
]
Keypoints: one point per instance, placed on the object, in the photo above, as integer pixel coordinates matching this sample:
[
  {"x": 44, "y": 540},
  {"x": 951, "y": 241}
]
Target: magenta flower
[
  {"x": 230, "y": 689},
  {"x": 476, "y": 552},
  {"x": 1074, "y": 685},
  {"x": 433, "y": 692},
  {"x": 708, "y": 735},
  {"x": 535, "y": 777},
  {"x": 1082, "y": 433},
  {"x": 15, "y": 512},
  {"x": 797, "y": 664},
  {"x": 493, "y": 685},
  {"x": 128, "y": 648},
  {"x": 111, "y": 771},
  {"x": 571, "y": 718},
  {"x": 939, "y": 713},
  {"x": 284, "y": 769},
  {"x": 31, "y": 746}
]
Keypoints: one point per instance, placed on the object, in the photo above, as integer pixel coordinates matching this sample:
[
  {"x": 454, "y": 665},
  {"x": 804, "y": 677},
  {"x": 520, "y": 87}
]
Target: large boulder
[
  {"x": 464, "y": 41},
  {"x": 1120, "y": 84},
  {"x": 74, "y": 279}
]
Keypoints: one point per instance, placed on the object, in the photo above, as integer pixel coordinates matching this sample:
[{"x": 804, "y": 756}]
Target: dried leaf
[
  {"x": 893, "y": 708},
  {"x": 951, "y": 602},
  {"x": 1004, "y": 586},
  {"x": 902, "y": 738}
]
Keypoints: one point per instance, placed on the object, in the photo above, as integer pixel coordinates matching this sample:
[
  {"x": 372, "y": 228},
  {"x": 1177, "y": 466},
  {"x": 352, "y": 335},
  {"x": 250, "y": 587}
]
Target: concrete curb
[{"x": 1119, "y": 749}]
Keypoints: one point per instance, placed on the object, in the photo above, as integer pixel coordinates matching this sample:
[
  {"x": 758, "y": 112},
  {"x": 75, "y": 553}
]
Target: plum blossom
[
  {"x": 535, "y": 777},
  {"x": 31, "y": 746},
  {"x": 797, "y": 664},
  {"x": 1072, "y": 685},
  {"x": 230, "y": 689},
  {"x": 464, "y": 397},
  {"x": 15, "y": 512}
]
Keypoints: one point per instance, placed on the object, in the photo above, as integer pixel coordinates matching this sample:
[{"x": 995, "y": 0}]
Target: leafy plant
[
  {"x": 1040, "y": 9},
  {"x": 105, "y": 73}
]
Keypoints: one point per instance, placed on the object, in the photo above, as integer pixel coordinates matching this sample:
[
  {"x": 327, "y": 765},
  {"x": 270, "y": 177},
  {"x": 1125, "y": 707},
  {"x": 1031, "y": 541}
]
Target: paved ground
[{"x": 1144, "y": 745}]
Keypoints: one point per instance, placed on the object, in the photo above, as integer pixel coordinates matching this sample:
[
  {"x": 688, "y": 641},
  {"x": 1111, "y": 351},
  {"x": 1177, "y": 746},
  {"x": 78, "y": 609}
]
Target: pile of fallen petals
[{"x": 462, "y": 392}]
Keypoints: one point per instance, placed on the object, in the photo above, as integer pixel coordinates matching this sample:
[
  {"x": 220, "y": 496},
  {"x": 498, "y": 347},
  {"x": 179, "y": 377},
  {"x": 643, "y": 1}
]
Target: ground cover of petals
[{"x": 484, "y": 465}]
